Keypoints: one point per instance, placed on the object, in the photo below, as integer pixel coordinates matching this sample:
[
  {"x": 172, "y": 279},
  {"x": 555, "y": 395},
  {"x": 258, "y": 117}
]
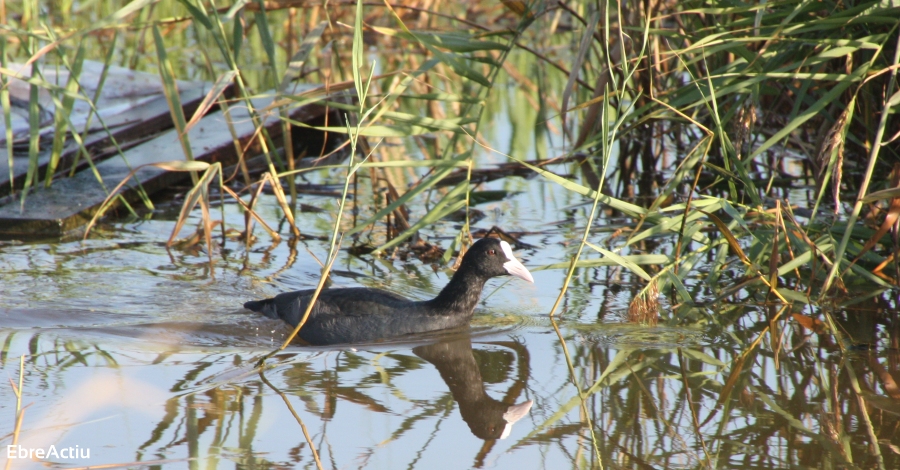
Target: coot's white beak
[
  {"x": 513, "y": 414},
  {"x": 513, "y": 266}
]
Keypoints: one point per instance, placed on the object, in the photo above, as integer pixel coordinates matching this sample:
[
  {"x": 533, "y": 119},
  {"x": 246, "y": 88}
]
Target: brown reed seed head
[{"x": 644, "y": 308}]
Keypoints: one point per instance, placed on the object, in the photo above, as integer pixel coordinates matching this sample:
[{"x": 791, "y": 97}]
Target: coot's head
[{"x": 491, "y": 257}]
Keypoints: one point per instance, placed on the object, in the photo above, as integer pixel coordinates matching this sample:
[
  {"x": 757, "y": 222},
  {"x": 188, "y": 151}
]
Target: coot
[{"x": 361, "y": 314}]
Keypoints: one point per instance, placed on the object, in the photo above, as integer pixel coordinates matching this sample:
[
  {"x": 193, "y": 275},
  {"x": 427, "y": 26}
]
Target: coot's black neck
[{"x": 460, "y": 295}]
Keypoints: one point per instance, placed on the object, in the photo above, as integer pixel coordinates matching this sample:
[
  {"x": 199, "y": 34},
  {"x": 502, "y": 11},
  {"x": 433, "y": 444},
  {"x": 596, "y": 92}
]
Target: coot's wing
[
  {"x": 355, "y": 302},
  {"x": 352, "y": 302},
  {"x": 361, "y": 315}
]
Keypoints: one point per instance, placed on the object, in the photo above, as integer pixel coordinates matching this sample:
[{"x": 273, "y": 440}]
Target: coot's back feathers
[{"x": 365, "y": 314}]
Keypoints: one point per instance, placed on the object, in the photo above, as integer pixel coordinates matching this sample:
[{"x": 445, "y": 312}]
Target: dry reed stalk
[{"x": 644, "y": 308}]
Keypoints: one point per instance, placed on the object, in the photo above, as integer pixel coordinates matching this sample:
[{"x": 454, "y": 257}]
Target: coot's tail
[{"x": 265, "y": 307}]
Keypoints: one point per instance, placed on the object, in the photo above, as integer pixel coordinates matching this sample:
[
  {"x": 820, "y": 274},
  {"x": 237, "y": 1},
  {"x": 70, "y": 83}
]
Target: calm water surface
[{"x": 142, "y": 356}]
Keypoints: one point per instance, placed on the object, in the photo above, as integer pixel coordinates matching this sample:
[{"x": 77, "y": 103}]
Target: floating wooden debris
[
  {"x": 69, "y": 203},
  {"x": 128, "y": 129},
  {"x": 132, "y": 106},
  {"x": 123, "y": 91}
]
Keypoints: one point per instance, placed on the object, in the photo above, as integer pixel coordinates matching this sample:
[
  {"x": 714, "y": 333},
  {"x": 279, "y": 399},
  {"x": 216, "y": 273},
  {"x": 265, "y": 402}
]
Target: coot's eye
[{"x": 492, "y": 252}]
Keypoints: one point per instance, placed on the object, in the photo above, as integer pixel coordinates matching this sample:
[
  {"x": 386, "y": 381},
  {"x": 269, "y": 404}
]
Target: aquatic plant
[{"x": 724, "y": 139}]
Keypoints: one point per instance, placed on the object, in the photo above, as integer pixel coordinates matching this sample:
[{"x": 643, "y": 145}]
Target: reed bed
[
  {"x": 751, "y": 150},
  {"x": 695, "y": 122}
]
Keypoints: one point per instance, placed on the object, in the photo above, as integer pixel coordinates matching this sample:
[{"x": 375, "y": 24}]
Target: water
[{"x": 140, "y": 355}]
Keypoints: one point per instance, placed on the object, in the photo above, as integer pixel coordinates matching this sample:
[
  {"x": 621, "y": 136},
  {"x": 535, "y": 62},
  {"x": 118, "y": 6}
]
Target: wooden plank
[
  {"x": 71, "y": 202},
  {"x": 127, "y": 128}
]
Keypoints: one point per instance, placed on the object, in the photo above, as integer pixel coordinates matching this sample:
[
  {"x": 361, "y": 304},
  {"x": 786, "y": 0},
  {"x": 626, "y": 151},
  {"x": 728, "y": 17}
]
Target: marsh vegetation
[{"x": 708, "y": 194}]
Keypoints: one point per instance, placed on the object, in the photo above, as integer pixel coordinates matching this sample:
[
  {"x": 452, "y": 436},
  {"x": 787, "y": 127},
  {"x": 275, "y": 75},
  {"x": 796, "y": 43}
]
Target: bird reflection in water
[{"x": 487, "y": 418}]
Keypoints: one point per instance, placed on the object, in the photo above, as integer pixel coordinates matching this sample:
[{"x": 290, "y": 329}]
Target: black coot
[{"x": 364, "y": 314}]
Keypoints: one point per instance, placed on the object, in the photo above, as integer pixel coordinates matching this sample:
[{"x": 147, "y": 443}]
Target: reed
[
  {"x": 696, "y": 123},
  {"x": 751, "y": 83}
]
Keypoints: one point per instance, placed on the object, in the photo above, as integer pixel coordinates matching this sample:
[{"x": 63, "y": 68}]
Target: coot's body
[{"x": 364, "y": 314}]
